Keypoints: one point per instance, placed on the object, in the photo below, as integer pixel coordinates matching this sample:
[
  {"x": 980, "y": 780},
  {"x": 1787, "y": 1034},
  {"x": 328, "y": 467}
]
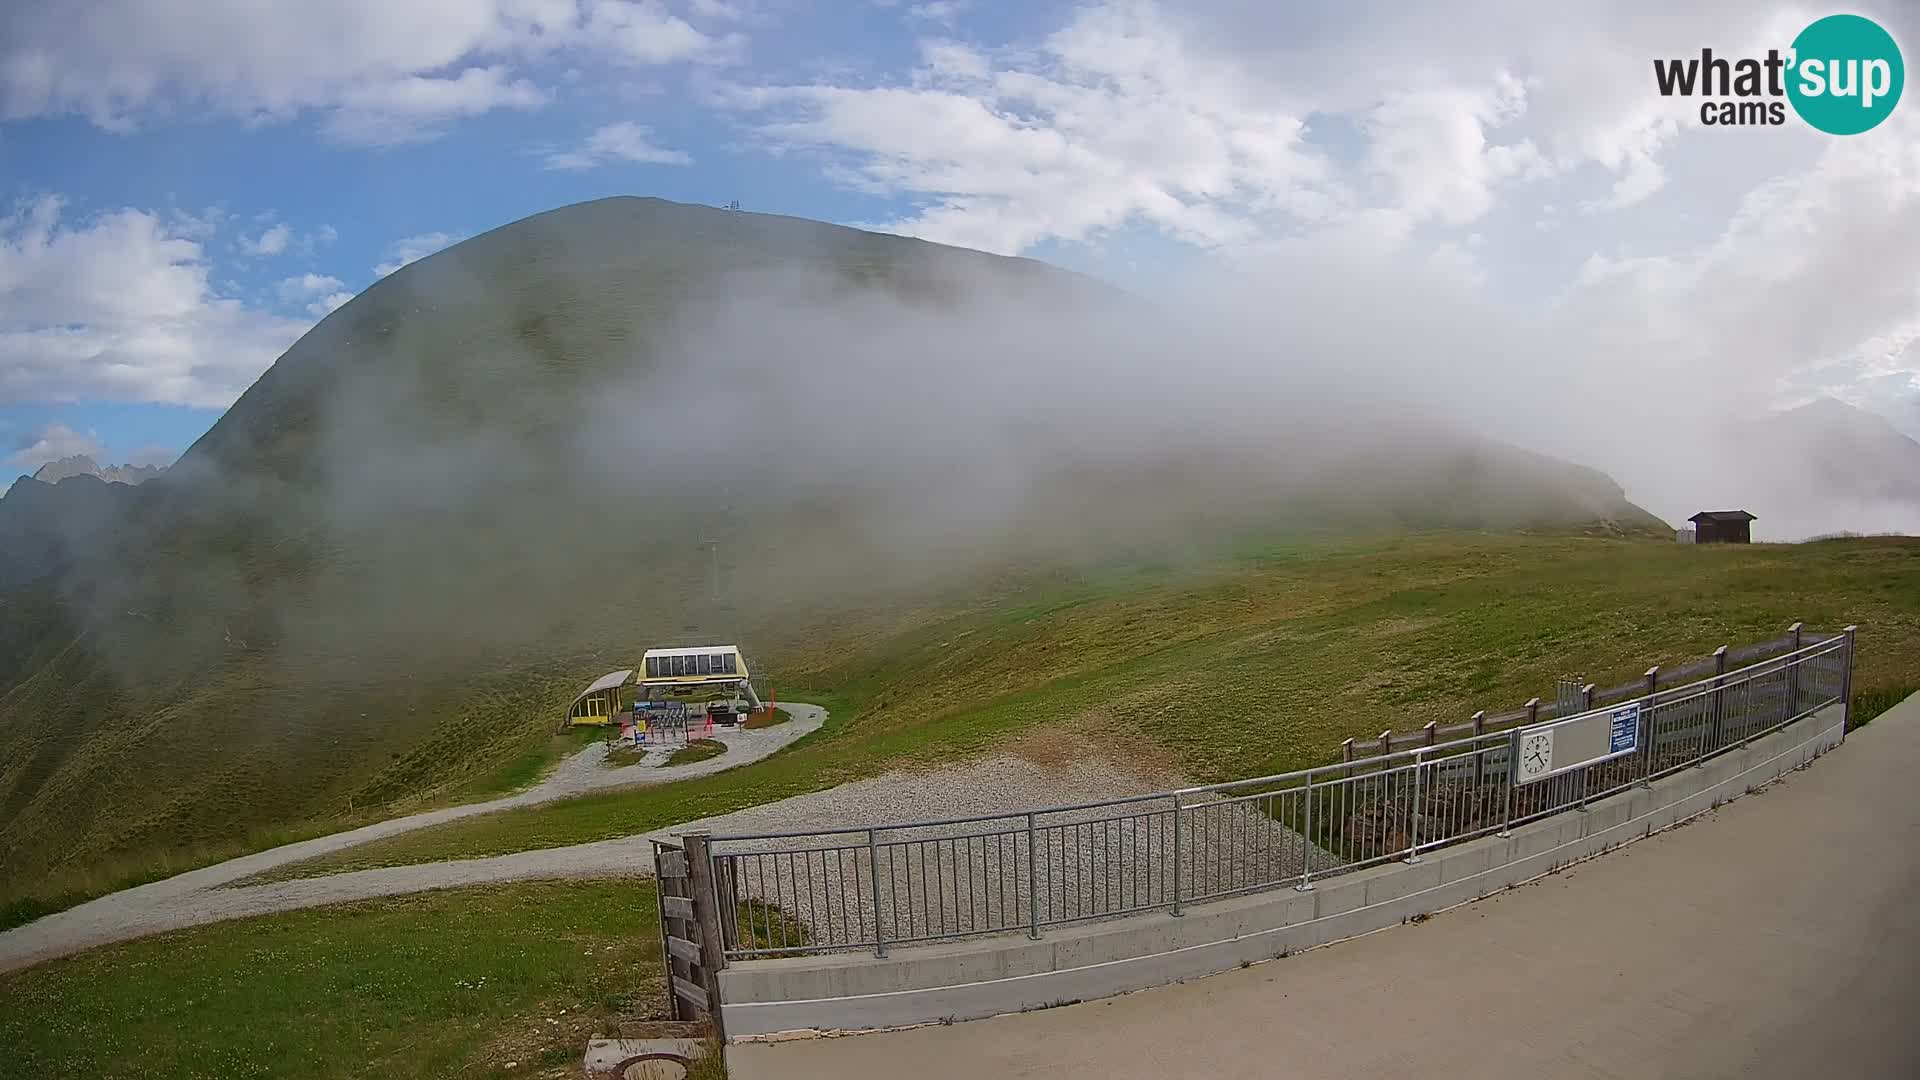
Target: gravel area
[
  {"x": 583, "y": 772},
  {"x": 976, "y": 875},
  {"x": 200, "y": 896}
]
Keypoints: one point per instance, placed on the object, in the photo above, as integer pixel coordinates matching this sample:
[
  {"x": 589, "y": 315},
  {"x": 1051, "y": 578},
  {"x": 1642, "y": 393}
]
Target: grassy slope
[
  {"x": 445, "y": 984},
  {"x": 371, "y": 611},
  {"x": 1268, "y": 662},
  {"x": 239, "y": 779}
]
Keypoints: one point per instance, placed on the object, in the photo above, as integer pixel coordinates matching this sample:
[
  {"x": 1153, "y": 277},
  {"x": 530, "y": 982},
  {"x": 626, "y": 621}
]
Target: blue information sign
[{"x": 1625, "y": 733}]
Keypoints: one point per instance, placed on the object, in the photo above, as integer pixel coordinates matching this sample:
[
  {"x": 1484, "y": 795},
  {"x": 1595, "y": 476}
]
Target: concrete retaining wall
[{"x": 1010, "y": 973}]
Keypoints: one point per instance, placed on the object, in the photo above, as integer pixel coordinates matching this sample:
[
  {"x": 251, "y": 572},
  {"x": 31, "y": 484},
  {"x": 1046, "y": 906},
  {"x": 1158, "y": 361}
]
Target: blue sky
[{"x": 187, "y": 189}]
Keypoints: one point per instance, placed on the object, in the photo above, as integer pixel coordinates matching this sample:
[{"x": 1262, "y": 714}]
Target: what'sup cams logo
[{"x": 1843, "y": 75}]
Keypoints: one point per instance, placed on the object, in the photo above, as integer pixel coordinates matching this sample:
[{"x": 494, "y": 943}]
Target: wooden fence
[{"x": 1590, "y": 697}]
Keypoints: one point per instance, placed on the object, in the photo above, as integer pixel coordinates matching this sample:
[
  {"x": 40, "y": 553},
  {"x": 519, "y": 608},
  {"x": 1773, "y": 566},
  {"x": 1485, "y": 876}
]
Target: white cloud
[
  {"x": 412, "y": 108},
  {"x": 328, "y": 304},
  {"x": 647, "y": 33},
  {"x": 412, "y": 248},
  {"x": 1431, "y": 150},
  {"x": 51, "y": 443},
  {"x": 272, "y": 241},
  {"x": 277, "y": 238},
  {"x": 953, "y": 60},
  {"x": 296, "y": 289},
  {"x": 319, "y": 294},
  {"x": 1813, "y": 285},
  {"x": 940, "y": 11},
  {"x": 1113, "y": 122},
  {"x": 197, "y": 226},
  {"x": 1227, "y": 121},
  {"x": 624, "y": 141},
  {"x": 118, "y": 306},
  {"x": 382, "y": 72}
]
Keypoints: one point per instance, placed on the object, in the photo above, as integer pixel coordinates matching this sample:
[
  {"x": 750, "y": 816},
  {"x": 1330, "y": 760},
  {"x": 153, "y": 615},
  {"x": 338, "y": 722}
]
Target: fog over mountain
[
  {"x": 512, "y": 461},
  {"x": 1825, "y": 467}
]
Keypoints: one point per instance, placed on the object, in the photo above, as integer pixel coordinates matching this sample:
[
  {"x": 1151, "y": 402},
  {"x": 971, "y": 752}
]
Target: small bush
[
  {"x": 697, "y": 750},
  {"x": 624, "y": 755}
]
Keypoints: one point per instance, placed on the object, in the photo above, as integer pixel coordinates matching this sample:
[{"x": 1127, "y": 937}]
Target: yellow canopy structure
[{"x": 599, "y": 701}]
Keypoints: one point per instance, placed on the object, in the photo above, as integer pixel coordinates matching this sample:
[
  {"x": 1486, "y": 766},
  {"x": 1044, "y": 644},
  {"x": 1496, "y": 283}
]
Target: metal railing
[
  {"x": 879, "y": 886},
  {"x": 1579, "y": 698}
]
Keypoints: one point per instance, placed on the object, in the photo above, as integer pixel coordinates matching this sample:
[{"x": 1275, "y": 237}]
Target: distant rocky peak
[{"x": 81, "y": 465}]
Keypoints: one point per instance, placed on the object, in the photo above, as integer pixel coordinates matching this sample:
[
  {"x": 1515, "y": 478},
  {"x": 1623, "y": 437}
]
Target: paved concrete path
[
  {"x": 206, "y": 895},
  {"x": 1779, "y": 936}
]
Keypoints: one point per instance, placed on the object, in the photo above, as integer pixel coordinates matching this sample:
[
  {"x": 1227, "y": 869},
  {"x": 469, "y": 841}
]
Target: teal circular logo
[{"x": 1846, "y": 74}]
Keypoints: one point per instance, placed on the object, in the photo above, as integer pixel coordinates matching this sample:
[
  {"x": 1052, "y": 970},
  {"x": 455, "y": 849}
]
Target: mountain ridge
[{"x": 83, "y": 465}]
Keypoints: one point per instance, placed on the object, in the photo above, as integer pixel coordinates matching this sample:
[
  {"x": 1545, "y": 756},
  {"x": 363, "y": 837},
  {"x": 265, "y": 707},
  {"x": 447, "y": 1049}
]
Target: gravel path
[
  {"x": 197, "y": 896},
  {"x": 583, "y": 772}
]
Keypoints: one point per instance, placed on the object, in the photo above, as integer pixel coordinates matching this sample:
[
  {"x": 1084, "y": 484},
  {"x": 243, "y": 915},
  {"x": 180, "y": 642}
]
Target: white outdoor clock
[{"x": 1536, "y": 754}]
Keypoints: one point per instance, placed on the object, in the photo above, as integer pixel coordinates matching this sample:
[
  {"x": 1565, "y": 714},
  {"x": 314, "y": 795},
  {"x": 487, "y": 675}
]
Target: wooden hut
[{"x": 1723, "y": 527}]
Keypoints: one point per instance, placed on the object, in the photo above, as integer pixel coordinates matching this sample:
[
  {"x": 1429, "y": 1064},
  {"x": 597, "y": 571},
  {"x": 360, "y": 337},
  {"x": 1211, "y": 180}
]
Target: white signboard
[{"x": 1564, "y": 745}]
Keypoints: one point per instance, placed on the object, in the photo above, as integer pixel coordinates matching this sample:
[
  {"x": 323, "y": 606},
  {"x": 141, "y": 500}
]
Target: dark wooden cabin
[{"x": 1723, "y": 527}]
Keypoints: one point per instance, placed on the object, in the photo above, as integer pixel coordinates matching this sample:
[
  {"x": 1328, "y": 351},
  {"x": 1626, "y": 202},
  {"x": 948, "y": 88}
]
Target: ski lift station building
[
  {"x": 698, "y": 667},
  {"x": 663, "y": 672}
]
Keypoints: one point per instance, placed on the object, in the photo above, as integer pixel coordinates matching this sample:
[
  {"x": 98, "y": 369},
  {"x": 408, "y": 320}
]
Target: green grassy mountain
[{"x": 498, "y": 472}]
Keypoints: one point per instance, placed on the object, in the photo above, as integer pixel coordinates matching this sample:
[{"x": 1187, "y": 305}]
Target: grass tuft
[{"x": 697, "y": 750}]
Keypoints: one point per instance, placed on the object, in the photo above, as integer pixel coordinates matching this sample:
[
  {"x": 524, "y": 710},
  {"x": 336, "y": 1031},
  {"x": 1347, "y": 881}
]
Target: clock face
[{"x": 1536, "y": 754}]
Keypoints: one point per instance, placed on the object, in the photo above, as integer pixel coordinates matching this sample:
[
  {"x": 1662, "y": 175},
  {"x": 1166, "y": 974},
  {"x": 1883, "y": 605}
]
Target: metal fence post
[
  {"x": 1413, "y": 837},
  {"x": 1647, "y": 729},
  {"x": 1479, "y": 752},
  {"x": 1793, "y": 671},
  {"x": 1346, "y": 756},
  {"x": 1176, "y": 853},
  {"x": 1586, "y": 698},
  {"x": 1306, "y": 849},
  {"x": 1431, "y": 731},
  {"x": 1533, "y": 711},
  {"x": 1513, "y": 774},
  {"x": 1846, "y": 682},
  {"x": 1033, "y": 884},
  {"x": 1718, "y": 728},
  {"x": 873, "y": 875}
]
